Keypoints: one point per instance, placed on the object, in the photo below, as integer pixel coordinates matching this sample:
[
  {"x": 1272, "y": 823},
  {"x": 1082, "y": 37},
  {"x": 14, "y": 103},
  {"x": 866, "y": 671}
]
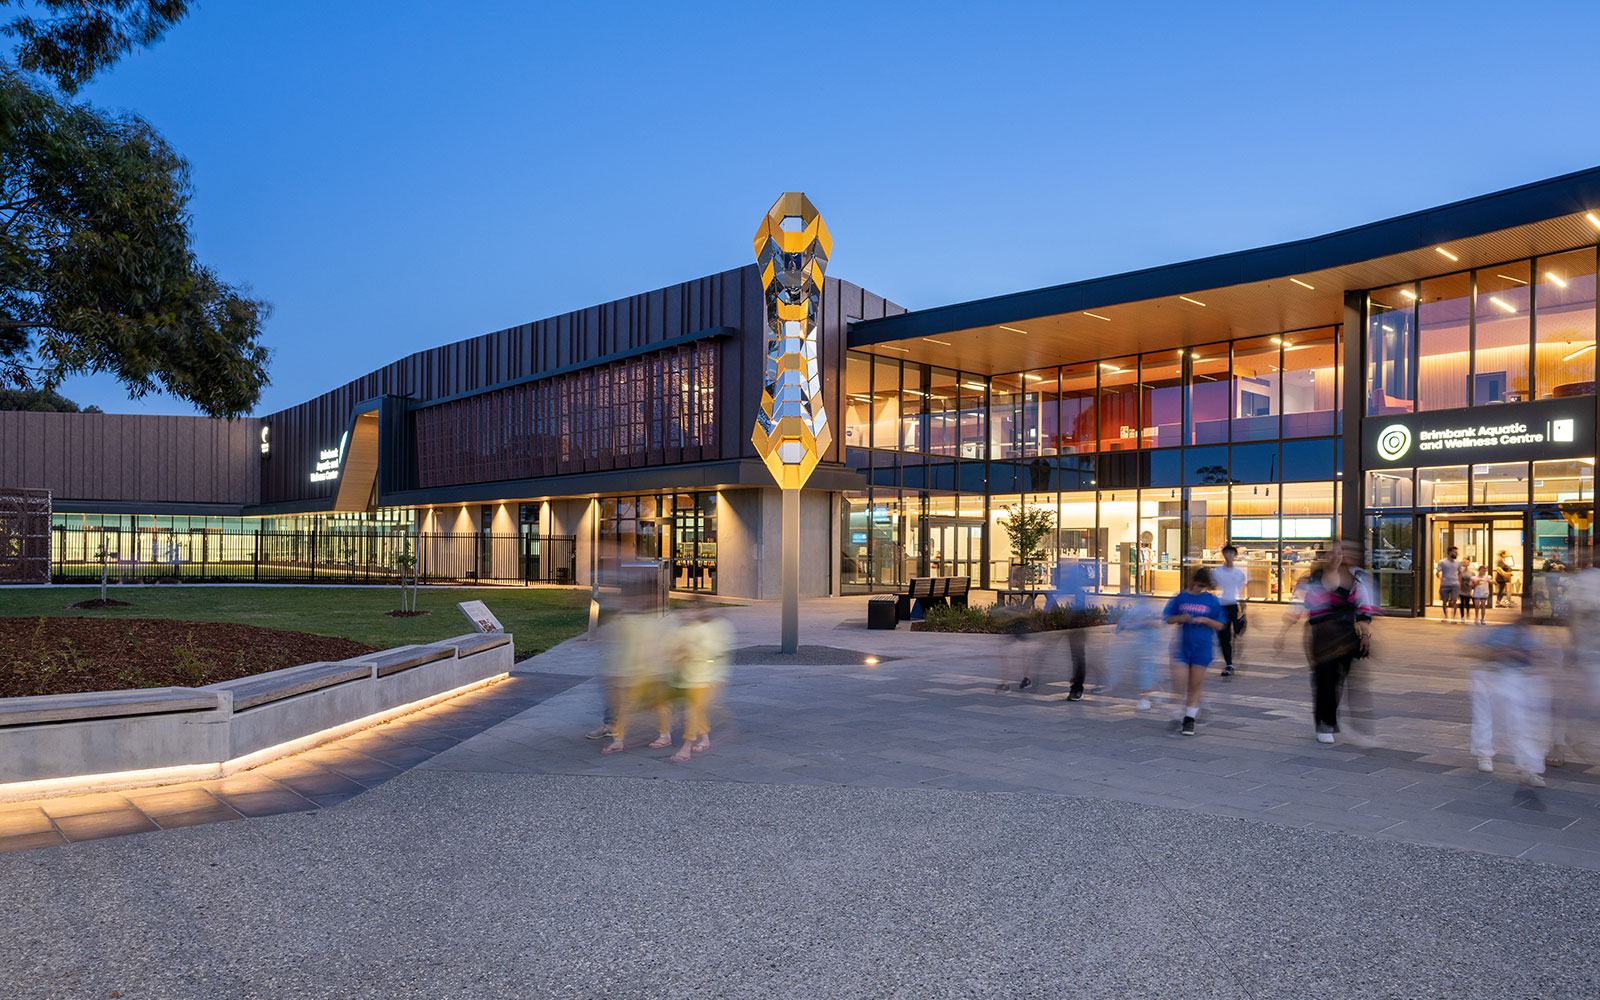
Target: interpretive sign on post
[{"x": 481, "y": 617}]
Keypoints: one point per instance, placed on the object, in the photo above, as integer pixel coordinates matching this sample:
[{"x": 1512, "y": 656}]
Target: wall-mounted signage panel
[{"x": 1509, "y": 432}]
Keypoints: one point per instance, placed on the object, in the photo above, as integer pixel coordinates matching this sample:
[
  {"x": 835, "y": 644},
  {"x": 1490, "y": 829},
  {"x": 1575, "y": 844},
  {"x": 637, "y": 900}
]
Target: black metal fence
[{"x": 147, "y": 555}]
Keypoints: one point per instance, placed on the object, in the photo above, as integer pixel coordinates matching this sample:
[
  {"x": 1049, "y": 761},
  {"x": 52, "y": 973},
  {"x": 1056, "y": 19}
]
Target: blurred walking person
[
  {"x": 1231, "y": 586},
  {"x": 641, "y": 675},
  {"x": 1140, "y": 644},
  {"x": 701, "y": 647},
  {"x": 1511, "y": 702},
  {"x": 1340, "y": 603},
  {"x": 1199, "y": 616}
]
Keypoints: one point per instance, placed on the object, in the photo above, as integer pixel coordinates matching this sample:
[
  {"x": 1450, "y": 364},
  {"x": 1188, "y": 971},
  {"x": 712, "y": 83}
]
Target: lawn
[{"x": 538, "y": 618}]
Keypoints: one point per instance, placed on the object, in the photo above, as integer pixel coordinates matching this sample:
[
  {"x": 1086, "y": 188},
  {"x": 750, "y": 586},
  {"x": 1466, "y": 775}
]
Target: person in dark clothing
[
  {"x": 1072, "y": 591},
  {"x": 1340, "y": 603}
]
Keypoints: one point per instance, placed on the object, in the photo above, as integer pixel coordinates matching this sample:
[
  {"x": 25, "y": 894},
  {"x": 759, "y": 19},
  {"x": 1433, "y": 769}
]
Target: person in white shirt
[{"x": 1230, "y": 581}]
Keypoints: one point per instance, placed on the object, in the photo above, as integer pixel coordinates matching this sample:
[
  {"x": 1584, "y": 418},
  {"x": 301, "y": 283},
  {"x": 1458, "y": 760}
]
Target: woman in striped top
[{"x": 1340, "y": 603}]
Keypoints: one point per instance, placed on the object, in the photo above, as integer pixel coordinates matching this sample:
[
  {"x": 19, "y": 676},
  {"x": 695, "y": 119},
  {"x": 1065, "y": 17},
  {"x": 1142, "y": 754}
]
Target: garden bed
[
  {"x": 72, "y": 655},
  {"x": 1006, "y": 620}
]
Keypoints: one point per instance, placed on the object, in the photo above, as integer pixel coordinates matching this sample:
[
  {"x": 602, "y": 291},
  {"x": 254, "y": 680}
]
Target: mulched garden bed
[{"x": 65, "y": 655}]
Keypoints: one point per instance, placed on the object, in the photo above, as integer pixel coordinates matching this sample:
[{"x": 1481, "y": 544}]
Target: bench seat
[
  {"x": 103, "y": 705},
  {"x": 396, "y": 660},
  {"x": 263, "y": 689},
  {"x": 466, "y": 645}
]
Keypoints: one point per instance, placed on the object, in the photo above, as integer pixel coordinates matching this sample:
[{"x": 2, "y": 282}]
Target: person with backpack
[{"x": 1199, "y": 616}]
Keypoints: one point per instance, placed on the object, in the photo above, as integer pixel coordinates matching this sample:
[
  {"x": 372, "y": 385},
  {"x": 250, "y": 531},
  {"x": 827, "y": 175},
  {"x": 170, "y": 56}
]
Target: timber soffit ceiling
[{"x": 1292, "y": 286}]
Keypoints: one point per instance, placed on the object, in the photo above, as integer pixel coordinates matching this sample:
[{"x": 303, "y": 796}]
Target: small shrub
[
  {"x": 948, "y": 618},
  {"x": 189, "y": 663}
]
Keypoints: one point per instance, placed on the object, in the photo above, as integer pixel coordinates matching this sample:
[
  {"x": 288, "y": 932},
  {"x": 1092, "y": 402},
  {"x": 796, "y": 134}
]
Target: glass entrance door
[
  {"x": 1494, "y": 545},
  {"x": 955, "y": 547}
]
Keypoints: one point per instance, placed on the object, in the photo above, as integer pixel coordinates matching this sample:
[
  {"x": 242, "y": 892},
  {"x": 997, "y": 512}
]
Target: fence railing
[{"x": 146, "y": 555}]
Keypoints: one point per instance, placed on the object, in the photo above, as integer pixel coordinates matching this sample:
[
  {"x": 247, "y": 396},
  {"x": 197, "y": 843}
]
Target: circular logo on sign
[{"x": 1394, "y": 442}]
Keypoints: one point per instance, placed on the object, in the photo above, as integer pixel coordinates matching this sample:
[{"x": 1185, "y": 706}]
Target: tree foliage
[
  {"x": 97, "y": 273},
  {"x": 40, "y": 401},
  {"x": 70, "y": 41},
  {"x": 1028, "y": 527}
]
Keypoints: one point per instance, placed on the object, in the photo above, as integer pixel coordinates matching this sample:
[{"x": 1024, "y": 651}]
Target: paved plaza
[{"x": 894, "y": 828}]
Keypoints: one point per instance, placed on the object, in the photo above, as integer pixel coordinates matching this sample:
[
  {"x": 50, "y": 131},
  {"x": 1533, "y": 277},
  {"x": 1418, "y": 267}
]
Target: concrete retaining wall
[{"x": 66, "y": 744}]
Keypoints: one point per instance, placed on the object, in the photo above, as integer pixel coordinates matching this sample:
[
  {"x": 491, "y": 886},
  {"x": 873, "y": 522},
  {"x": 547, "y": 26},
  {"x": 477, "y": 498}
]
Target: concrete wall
[
  {"x": 749, "y": 543},
  {"x": 101, "y": 752},
  {"x": 576, "y": 517}
]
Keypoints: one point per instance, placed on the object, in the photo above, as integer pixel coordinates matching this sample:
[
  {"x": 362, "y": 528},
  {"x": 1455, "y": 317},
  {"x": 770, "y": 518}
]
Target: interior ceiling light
[
  {"x": 1303, "y": 284},
  {"x": 1592, "y": 220},
  {"x": 1553, "y": 277},
  {"x": 1015, "y": 330},
  {"x": 1408, "y": 293},
  {"x": 1110, "y": 367},
  {"x": 1195, "y": 301},
  {"x": 1276, "y": 340},
  {"x": 902, "y": 350},
  {"x": 1578, "y": 352},
  {"x": 973, "y": 385},
  {"x": 1510, "y": 278},
  {"x": 1447, "y": 253},
  {"x": 941, "y": 343},
  {"x": 1097, "y": 315},
  {"x": 1502, "y": 303}
]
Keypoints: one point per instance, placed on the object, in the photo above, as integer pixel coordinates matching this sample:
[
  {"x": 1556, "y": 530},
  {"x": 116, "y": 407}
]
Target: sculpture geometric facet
[{"x": 791, "y": 431}]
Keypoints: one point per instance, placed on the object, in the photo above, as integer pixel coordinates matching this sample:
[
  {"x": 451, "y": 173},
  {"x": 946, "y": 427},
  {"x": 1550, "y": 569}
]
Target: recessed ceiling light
[
  {"x": 941, "y": 343},
  {"x": 973, "y": 385},
  {"x": 1510, "y": 278},
  {"x": 1592, "y": 220},
  {"x": 1447, "y": 253},
  {"x": 1408, "y": 293},
  {"x": 1195, "y": 301},
  {"x": 1015, "y": 330},
  {"x": 1555, "y": 278},
  {"x": 1276, "y": 340},
  {"x": 902, "y": 350},
  {"x": 1097, "y": 315},
  {"x": 1502, "y": 303},
  {"x": 1110, "y": 367},
  {"x": 1303, "y": 284}
]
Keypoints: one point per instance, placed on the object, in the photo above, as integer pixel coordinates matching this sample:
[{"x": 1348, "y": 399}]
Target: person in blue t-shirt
[{"x": 1199, "y": 616}]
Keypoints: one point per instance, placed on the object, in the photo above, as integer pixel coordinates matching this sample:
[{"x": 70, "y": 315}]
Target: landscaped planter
[
  {"x": 1008, "y": 621},
  {"x": 70, "y": 743}
]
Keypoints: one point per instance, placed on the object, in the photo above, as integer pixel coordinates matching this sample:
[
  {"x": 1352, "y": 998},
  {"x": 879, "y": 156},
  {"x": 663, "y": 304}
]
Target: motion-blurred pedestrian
[
  {"x": 701, "y": 648},
  {"x": 1140, "y": 645},
  {"x": 1511, "y": 701},
  {"x": 1340, "y": 603},
  {"x": 1231, "y": 592},
  {"x": 1198, "y": 614}
]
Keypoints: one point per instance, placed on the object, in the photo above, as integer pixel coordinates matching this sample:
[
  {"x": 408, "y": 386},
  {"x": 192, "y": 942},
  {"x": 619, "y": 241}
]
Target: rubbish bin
[{"x": 881, "y": 613}]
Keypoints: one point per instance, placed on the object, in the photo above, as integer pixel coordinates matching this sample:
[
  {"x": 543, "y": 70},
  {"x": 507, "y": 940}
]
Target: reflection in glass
[
  {"x": 1501, "y": 334},
  {"x": 1077, "y": 435},
  {"x": 1500, "y": 483},
  {"x": 1310, "y": 383},
  {"x": 1444, "y": 336},
  {"x": 1564, "y": 303},
  {"x": 1256, "y": 383},
  {"x": 1161, "y": 400},
  {"x": 1389, "y": 489},
  {"x": 1209, "y": 387},
  {"x": 1119, "y": 404},
  {"x": 1390, "y": 316},
  {"x": 1443, "y": 486}
]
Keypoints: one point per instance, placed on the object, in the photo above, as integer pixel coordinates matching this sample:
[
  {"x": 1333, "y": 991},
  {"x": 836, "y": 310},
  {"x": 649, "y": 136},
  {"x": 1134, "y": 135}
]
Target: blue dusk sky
[{"x": 393, "y": 176}]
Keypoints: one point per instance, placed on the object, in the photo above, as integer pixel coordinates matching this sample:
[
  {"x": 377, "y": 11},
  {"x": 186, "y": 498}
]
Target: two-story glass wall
[{"x": 1150, "y": 464}]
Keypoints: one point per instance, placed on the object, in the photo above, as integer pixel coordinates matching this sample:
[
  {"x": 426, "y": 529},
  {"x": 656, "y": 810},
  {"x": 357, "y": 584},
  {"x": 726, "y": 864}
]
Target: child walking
[{"x": 1199, "y": 616}]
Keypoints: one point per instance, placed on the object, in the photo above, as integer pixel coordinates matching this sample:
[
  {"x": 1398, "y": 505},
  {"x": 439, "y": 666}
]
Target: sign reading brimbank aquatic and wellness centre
[{"x": 1509, "y": 432}]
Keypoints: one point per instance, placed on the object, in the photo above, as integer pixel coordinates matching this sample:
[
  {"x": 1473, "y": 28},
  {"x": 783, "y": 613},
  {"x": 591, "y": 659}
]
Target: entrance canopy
[{"x": 1291, "y": 286}]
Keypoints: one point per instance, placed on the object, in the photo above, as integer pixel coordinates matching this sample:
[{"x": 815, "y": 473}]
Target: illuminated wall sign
[
  {"x": 266, "y": 448},
  {"x": 1509, "y": 432},
  {"x": 327, "y": 466}
]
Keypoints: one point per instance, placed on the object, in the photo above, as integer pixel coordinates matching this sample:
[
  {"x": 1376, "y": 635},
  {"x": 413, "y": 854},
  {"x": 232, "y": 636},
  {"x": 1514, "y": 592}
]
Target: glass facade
[
  {"x": 678, "y": 527},
  {"x": 1150, "y": 464}
]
